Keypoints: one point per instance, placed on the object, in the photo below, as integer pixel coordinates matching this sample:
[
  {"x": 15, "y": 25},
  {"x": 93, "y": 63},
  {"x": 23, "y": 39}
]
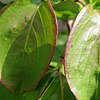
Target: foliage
[{"x": 36, "y": 63}]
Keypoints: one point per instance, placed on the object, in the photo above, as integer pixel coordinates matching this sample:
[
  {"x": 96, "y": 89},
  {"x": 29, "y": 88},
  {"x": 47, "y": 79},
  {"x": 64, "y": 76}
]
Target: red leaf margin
[
  {"x": 65, "y": 67},
  {"x": 45, "y": 70}
]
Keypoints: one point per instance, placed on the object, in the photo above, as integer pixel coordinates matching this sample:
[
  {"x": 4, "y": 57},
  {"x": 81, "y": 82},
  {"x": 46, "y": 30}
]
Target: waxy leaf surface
[
  {"x": 5, "y": 94},
  {"x": 82, "y": 54},
  {"x": 26, "y": 54},
  {"x": 67, "y": 8},
  {"x": 12, "y": 22}
]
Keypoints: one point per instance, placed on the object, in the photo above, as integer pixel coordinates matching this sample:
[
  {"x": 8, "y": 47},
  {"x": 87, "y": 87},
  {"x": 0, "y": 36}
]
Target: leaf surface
[
  {"x": 54, "y": 91},
  {"x": 96, "y": 95},
  {"x": 28, "y": 54},
  {"x": 67, "y": 7},
  {"x": 7, "y": 95},
  {"x": 11, "y": 23},
  {"x": 81, "y": 54}
]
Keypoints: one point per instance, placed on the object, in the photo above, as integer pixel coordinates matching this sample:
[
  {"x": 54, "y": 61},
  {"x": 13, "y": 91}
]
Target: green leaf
[
  {"x": 55, "y": 1},
  {"x": 12, "y": 22},
  {"x": 7, "y": 95},
  {"x": 67, "y": 7},
  {"x": 81, "y": 54},
  {"x": 26, "y": 52},
  {"x": 96, "y": 95},
  {"x": 6, "y": 1},
  {"x": 84, "y": 1},
  {"x": 53, "y": 92},
  {"x": 35, "y": 94},
  {"x": 96, "y": 4},
  {"x": 98, "y": 9}
]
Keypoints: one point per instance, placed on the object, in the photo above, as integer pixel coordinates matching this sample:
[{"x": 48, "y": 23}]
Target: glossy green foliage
[
  {"x": 13, "y": 21},
  {"x": 36, "y": 93},
  {"x": 26, "y": 44},
  {"x": 5, "y": 94},
  {"x": 6, "y": 1},
  {"x": 71, "y": 9},
  {"x": 66, "y": 7},
  {"x": 53, "y": 92},
  {"x": 81, "y": 54}
]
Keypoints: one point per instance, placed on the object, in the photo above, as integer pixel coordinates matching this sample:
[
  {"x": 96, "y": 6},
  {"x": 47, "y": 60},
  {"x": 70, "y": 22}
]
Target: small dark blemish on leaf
[
  {"x": 26, "y": 18},
  {"x": 71, "y": 46},
  {"x": 75, "y": 69},
  {"x": 79, "y": 64},
  {"x": 14, "y": 27},
  {"x": 24, "y": 23},
  {"x": 84, "y": 49},
  {"x": 22, "y": 52}
]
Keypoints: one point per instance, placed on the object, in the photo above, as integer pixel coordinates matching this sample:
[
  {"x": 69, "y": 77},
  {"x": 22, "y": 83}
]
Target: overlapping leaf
[
  {"x": 26, "y": 45},
  {"x": 12, "y": 22},
  {"x": 81, "y": 55},
  {"x": 54, "y": 91},
  {"x": 5, "y": 94},
  {"x": 69, "y": 8}
]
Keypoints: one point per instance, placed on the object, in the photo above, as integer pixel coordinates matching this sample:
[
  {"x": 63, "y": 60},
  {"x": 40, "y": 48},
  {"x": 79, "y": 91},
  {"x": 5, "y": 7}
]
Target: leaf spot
[
  {"x": 14, "y": 27},
  {"x": 84, "y": 49},
  {"x": 26, "y": 18},
  {"x": 71, "y": 46}
]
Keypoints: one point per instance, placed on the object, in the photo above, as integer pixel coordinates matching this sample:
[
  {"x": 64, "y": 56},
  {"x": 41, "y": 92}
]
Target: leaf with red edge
[
  {"x": 28, "y": 52},
  {"x": 81, "y": 54}
]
